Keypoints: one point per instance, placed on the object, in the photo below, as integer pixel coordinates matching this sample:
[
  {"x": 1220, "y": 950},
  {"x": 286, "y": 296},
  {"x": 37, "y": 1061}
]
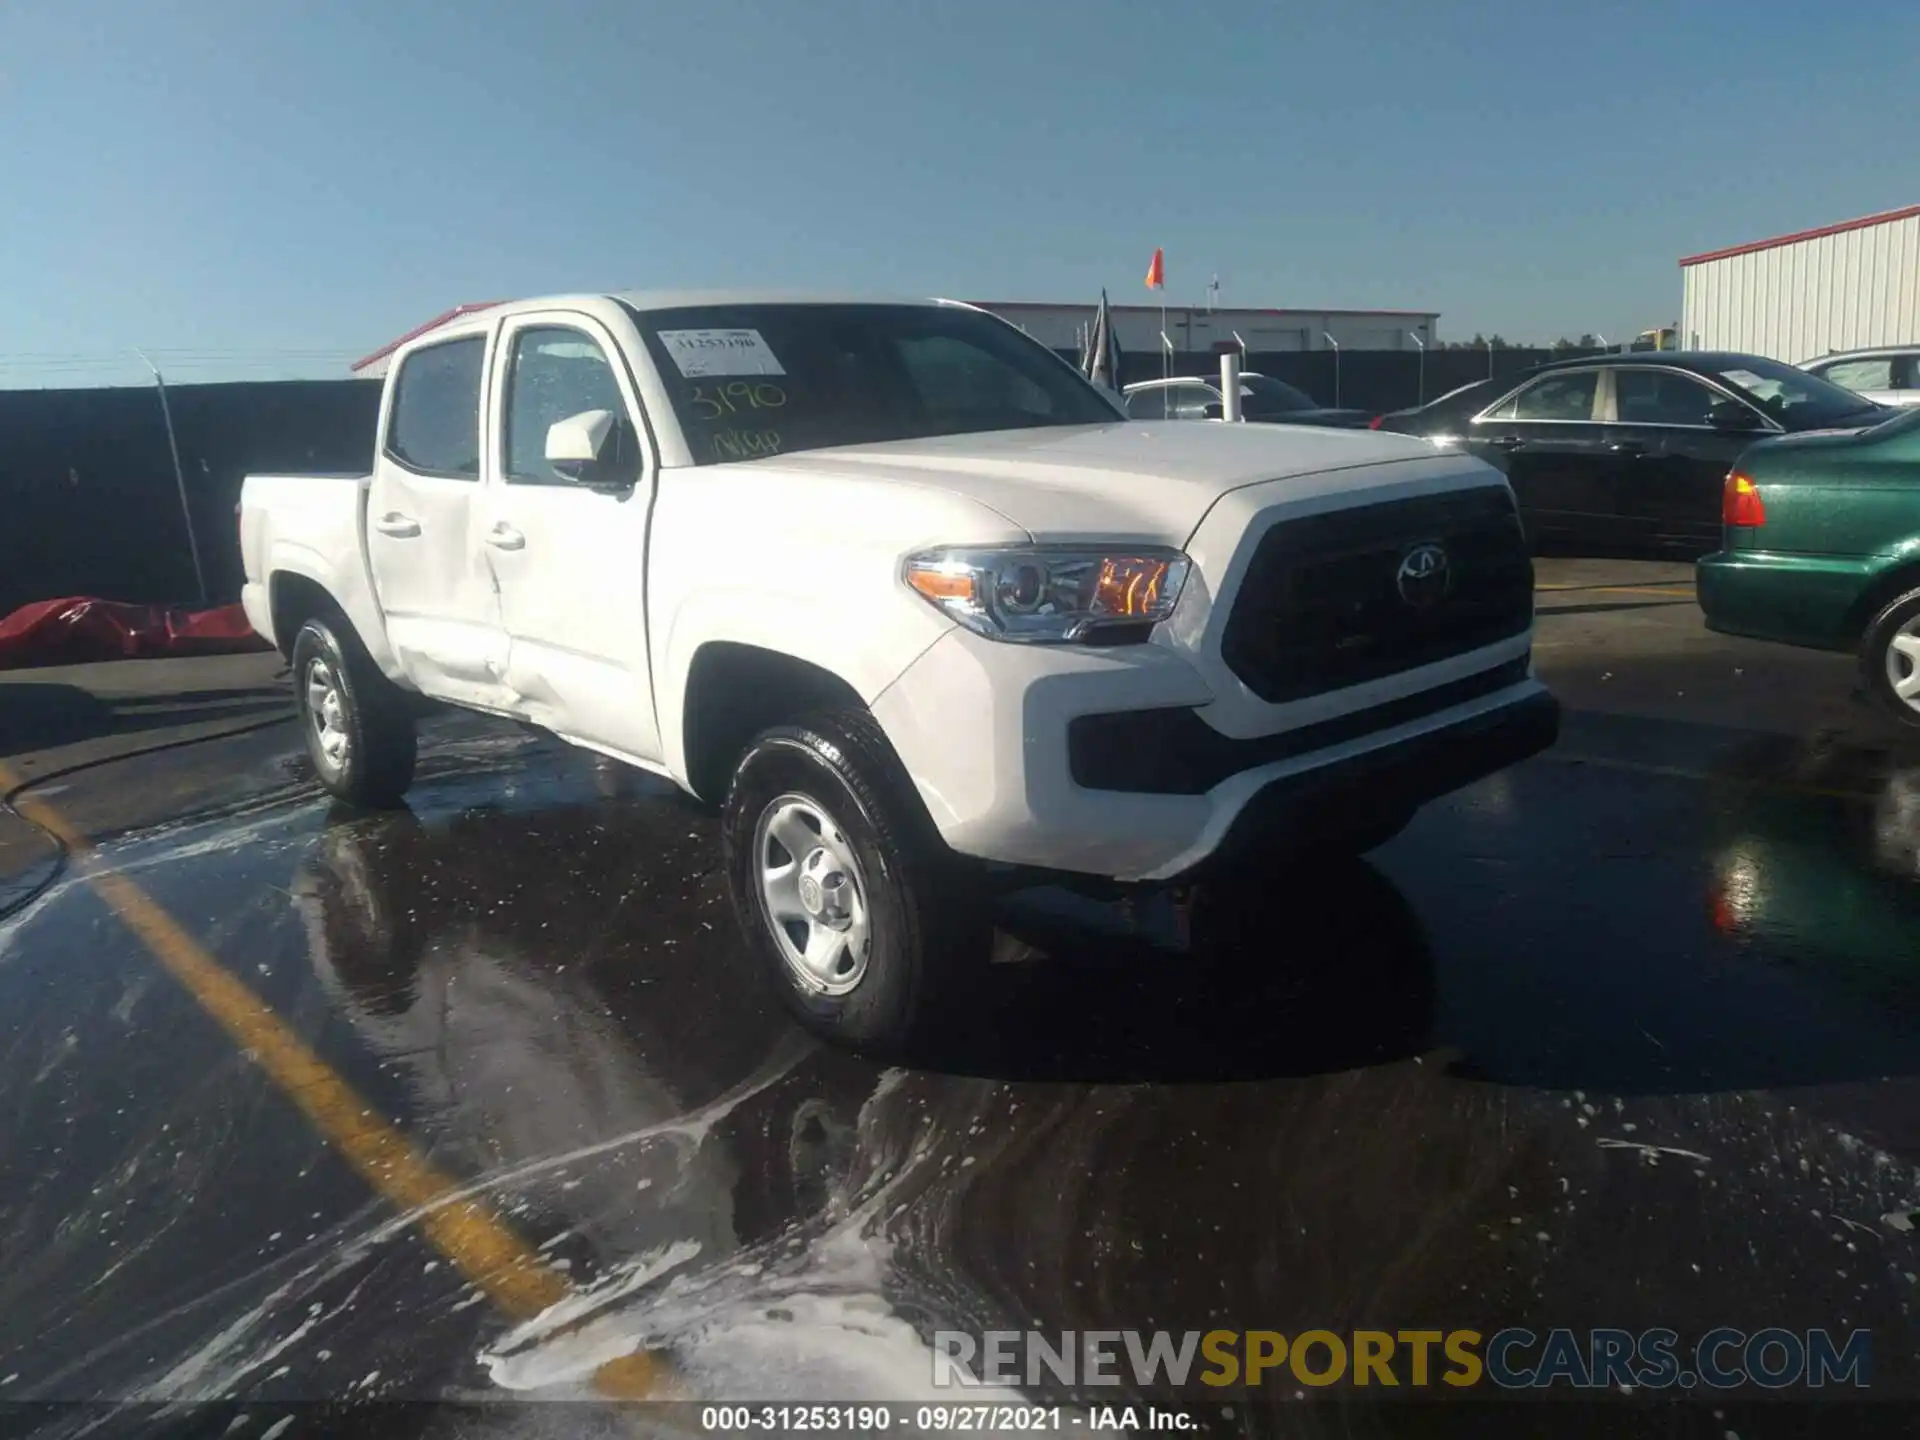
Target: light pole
[
  {"x": 1602, "y": 339},
  {"x": 179, "y": 477},
  {"x": 1423, "y": 364},
  {"x": 1336, "y": 368},
  {"x": 1243, "y": 347},
  {"x": 1489, "y": 359}
]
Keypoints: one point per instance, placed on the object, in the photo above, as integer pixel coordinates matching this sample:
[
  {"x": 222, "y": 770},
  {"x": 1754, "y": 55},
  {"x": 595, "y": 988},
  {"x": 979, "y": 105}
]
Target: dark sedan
[
  {"x": 1630, "y": 451},
  {"x": 1262, "y": 398},
  {"x": 1444, "y": 420}
]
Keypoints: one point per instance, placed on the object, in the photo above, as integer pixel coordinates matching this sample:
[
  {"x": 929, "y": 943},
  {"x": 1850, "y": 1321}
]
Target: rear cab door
[
  {"x": 1548, "y": 438},
  {"x": 1676, "y": 436},
  {"x": 424, "y": 512},
  {"x": 569, "y": 556}
]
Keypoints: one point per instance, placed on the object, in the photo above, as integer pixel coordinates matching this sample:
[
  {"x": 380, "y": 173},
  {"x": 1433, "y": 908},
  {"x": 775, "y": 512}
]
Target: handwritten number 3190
[{"x": 710, "y": 402}]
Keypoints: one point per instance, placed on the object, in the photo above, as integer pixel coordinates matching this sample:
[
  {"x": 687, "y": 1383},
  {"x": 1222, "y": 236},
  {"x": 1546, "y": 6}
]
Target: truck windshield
[{"x": 751, "y": 381}]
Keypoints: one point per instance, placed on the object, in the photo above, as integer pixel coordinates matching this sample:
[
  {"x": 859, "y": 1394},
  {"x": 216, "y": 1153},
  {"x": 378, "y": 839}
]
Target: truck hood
[{"x": 1149, "y": 482}]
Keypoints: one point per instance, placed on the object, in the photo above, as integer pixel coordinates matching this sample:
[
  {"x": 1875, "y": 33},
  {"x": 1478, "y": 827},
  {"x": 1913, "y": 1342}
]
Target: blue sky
[{"x": 272, "y": 187}]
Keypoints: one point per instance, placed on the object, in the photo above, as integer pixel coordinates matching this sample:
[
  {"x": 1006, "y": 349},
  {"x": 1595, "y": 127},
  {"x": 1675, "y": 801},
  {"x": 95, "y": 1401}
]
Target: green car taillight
[{"x": 1740, "y": 502}]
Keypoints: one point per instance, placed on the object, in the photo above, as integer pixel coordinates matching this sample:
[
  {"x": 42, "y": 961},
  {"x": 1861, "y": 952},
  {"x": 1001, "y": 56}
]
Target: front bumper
[
  {"x": 984, "y": 730},
  {"x": 1340, "y": 796}
]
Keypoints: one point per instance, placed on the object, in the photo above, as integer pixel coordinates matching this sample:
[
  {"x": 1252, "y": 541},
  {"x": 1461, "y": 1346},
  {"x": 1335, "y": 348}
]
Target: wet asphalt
[{"x": 1626, "y": 1036}]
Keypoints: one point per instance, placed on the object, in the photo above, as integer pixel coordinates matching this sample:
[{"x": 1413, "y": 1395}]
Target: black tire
[
  {"x": 1879, "y": 661},
  {"x": 921, "y": 930},
  {"x": 375, "y": 766}
]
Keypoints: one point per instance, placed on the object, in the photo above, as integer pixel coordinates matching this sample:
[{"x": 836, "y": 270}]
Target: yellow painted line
[{"x": 487, "y": 1251}]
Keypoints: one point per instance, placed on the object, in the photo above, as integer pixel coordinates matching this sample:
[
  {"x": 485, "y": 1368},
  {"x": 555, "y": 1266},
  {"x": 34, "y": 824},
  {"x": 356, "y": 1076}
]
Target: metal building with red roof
[{"x": 1845, "y": 286}]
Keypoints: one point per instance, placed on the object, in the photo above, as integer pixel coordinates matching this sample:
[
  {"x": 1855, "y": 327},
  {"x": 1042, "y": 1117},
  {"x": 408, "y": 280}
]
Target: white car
[
  {"x": 1889, "y": 375},
  {"x": 901, "y": 593}
]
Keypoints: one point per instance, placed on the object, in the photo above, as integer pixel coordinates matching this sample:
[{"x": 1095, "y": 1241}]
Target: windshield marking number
[{"x": 712, "y": 402}]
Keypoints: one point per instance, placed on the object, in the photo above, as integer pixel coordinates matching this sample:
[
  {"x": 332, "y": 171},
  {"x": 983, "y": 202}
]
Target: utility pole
[{"x": 179, "y": 478}]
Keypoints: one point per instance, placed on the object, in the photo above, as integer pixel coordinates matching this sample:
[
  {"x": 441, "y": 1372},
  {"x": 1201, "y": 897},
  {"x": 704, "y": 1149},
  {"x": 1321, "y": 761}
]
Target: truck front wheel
[
  {"x": 850, "y": 902},
  {"x": 359, "y": 732}
]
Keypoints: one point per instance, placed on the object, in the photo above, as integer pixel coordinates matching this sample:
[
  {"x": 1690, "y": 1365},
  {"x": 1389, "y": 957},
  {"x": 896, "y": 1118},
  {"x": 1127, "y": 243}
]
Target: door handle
[
  {"x": 1506, "y": 442},
  {"x": 400, "y": 527},
  {"x": 1630, "y": 449},
  {"x": 504, "y": 537}
]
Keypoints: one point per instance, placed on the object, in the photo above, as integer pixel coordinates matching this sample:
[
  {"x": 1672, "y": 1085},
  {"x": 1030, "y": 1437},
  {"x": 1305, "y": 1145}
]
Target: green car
[{"x": 1821, "y": 547}]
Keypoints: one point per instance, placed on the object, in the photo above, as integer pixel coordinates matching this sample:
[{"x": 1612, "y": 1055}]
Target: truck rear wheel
[
  {"x": 847, "y": 897},
  {"x": 358, "y": 729},
  {"x": 1890, "y": 659}
]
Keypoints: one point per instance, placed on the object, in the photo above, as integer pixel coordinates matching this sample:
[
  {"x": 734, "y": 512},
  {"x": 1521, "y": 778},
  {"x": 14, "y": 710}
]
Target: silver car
[{"x": 1888, "y": 374}]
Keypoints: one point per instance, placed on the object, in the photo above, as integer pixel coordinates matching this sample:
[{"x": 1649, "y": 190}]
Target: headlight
[{"x": 1050, "y": 595}]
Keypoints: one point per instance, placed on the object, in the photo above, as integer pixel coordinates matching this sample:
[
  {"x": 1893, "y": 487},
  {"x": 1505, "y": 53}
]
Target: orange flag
[{"x": 1157, "y": 270}]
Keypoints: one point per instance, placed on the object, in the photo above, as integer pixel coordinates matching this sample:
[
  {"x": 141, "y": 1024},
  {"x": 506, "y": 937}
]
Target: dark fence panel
[
  {"x": 1376, "y": 380},
  {"x": 91, "y": 507}
]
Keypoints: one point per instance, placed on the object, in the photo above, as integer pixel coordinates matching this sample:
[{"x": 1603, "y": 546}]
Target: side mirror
[
  {"x": 582, "y": 447},
  {"x": 1734, "y": 419},
  {"x": 1216, "y": 411}
]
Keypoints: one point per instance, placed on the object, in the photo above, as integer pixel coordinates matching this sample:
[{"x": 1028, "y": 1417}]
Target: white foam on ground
[
  {"x": 783, "y": 1321},
  {"x": 805, "y": 1315}
]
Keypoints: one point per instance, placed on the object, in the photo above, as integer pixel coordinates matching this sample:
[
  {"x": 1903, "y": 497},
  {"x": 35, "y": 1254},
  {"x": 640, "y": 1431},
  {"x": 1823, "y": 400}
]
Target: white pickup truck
[{"x": 899, "y": 592}]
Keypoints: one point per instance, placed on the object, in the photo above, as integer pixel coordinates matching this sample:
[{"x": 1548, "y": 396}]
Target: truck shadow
[
  {"x": 1557, "y": 973},
  {"x": 37, "y": 716},
  {"x": 1323, "y": 968}
]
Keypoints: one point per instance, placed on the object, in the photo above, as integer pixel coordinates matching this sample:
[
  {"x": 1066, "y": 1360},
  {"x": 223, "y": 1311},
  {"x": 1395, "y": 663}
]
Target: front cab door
[
  {"x": 570, "y": 554},
  {"x": 435, "y": 590}
]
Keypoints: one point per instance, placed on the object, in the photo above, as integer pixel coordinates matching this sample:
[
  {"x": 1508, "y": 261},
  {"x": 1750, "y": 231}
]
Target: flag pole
[{"x": 179, "y": 479}]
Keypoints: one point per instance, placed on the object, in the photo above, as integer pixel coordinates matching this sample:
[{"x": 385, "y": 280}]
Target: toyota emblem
[{"x": 1424, "y": 575}]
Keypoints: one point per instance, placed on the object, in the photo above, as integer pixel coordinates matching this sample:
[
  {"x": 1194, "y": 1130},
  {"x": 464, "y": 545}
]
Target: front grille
[{"x": 1323, "y": 607}]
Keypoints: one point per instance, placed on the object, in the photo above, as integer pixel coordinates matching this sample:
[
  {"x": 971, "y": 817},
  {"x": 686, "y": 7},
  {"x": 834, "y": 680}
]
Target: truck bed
[{"x": 307, "y": 524}]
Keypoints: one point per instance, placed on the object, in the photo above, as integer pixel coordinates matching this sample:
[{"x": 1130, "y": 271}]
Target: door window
[
  {"x": 556, "y": 372},
  {"x": 1558, "y": 397},
  {"x": 434, "y": 427},
  {"x": 1663, "y": 397},
  {"x": 1504, "y": 410},
  {"x": 1148, "y": 404},
  {"x": 1190, "y": 402},
  {"x": 1869, "y": 374}
]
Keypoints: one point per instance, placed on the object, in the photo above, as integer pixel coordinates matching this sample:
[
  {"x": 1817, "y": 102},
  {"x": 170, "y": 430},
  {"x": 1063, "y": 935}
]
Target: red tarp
[{"x": 72, "y": 632}]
